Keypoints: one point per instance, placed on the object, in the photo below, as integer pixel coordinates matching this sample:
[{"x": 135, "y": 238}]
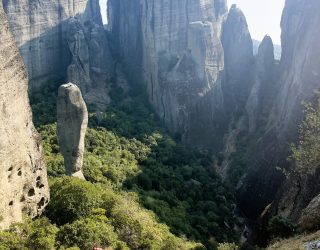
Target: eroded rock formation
[
  {"x": 72, "y": 122},
  {"x": 299, "y": 79},
  {"x": 260, "y": 100},
  {"x": 63, "y": 40},
  {"x": 91, "y": 67},
  {"x": 23, "y": 176},
  {"x": 238, "y": 54},
  {"x": 176, "y": 48},
  {"x": 310, "y": 217},
  {"x": 40, "y": 30}
]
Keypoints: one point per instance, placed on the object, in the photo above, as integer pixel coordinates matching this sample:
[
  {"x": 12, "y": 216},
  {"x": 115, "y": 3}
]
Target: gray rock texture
[
  {"x": 23, "y": 175},
  {"x": 175, "y": 47},
  {"x": 238, "y": 54},
  {"x": 72, "y": 122},
  {"x": 310, "y": 218},
  {"x": 299, "y": 78},
  {"x": 63, "y": 40},
  {"x": 259, "y": 102},
  {"x": 92, "y": 65},
  {"x": 40, "y": 30},
  {"x": 300, "y": 62}
]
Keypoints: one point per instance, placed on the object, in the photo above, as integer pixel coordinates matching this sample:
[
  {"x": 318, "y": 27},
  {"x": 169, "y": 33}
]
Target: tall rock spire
[{"x": 72, "y": 122}]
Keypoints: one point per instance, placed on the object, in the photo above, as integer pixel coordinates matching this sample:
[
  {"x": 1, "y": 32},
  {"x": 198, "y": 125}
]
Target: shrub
[
  {"x": 280, "y": 227},
  {"x": 87, "y": 232},
  {"x": 72, "y": 199},
  {"x": 227, "y": 246}
]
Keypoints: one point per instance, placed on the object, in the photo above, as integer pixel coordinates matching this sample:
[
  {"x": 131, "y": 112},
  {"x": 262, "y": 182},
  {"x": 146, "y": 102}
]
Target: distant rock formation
[
  {"x": 259, "y": 103},
  {"x": 238, "y": 57},
  {"x": 23, "y": 175},
  {"x": 176, "y": 48},
  {"x": 72, "y": 121}
]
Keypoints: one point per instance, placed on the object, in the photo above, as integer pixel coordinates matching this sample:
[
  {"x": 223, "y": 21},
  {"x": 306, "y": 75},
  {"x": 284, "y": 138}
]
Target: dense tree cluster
[{"x": 144, "y": 190}]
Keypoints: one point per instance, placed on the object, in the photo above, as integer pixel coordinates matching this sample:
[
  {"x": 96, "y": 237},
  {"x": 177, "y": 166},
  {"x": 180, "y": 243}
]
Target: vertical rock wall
[
  {"x": 23, "y": 176},
  {"x": 42, "y": 32},
  {"x": 299, "y": 79},
  {"x": 175, "y": 47}
]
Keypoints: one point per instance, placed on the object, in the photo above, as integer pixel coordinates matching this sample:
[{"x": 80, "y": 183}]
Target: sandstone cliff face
[
  {"x": 298, "y": 200},
  {"x": 92, "y": 66},
  {"x": 259, "y": 102},
  {"x": 299, "y": 78},
  {"x": 238, "y": 53},
  {"x": 300, "y": 61},
  {"x": 175, "y": 46},
  {"x": 72, "y": 122},
  {"x": 23, "y": 177},
  {"x": 49, "y": 42}
]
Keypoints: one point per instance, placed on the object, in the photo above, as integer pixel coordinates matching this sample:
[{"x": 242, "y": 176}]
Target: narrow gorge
[{"x": 183, "y": 119}]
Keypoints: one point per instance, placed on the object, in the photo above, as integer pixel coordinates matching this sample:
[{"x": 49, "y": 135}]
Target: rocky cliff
[
  {"x": 298, "y": 80},
  {"x": 52, "y": 35},
  {"x": 238, "y": 54},
  {"x": 176, "y": 48},
  {"x": 300, "y": 62},
  {"x": 23, "y": 176},
  {"x": 260, "y": 100}
]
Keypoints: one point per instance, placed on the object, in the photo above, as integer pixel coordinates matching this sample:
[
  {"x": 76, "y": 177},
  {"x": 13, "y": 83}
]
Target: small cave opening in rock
[{"x": 31, "y": 192}]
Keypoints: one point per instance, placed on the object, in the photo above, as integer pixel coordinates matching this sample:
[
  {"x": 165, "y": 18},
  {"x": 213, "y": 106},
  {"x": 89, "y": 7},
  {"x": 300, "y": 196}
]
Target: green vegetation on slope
[
  {"x": 130, "y": 162},
  {"x": 306, "y": 154}
]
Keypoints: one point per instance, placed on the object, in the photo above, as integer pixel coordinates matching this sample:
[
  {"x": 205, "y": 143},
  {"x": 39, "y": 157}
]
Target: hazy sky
[
  {"x": 263, "y": 16},
  {"x": 103, "y": 6}
]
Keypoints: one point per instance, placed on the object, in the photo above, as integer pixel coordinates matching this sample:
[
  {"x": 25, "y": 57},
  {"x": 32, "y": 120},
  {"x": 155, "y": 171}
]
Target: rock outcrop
[
  {"x": 300, "y": 62},
  {"x": 63, "y": 40},
  {"x": 299, "y": 79},
  {"x": 175, "y": 47},
  {"x": 40, "y": 31},
  {"x": 259, "y": 103},
  {"x": 23, "y": 176},
  {"x": 310, "y": 218},
  {"x": 238, "y": 54},
  {"x": 72, "y": 122}
]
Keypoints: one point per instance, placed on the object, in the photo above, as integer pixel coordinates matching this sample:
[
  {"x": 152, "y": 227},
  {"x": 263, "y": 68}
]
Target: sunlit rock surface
[{"x": 23, "y": 175}]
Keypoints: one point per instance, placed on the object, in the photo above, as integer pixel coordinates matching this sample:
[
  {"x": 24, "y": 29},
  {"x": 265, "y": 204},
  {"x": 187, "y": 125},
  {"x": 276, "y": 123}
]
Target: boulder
[{"x": 310, "y": 218}]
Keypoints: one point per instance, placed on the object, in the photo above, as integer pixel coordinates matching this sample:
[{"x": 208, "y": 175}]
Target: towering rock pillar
[
  {"x": 175, "y": 47},
  {"x": 23, "y": 176},
  {"x": 261, "y": 96},
  {"x": 238, "y": 55},
  {"x": 72, "y": 122}
]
